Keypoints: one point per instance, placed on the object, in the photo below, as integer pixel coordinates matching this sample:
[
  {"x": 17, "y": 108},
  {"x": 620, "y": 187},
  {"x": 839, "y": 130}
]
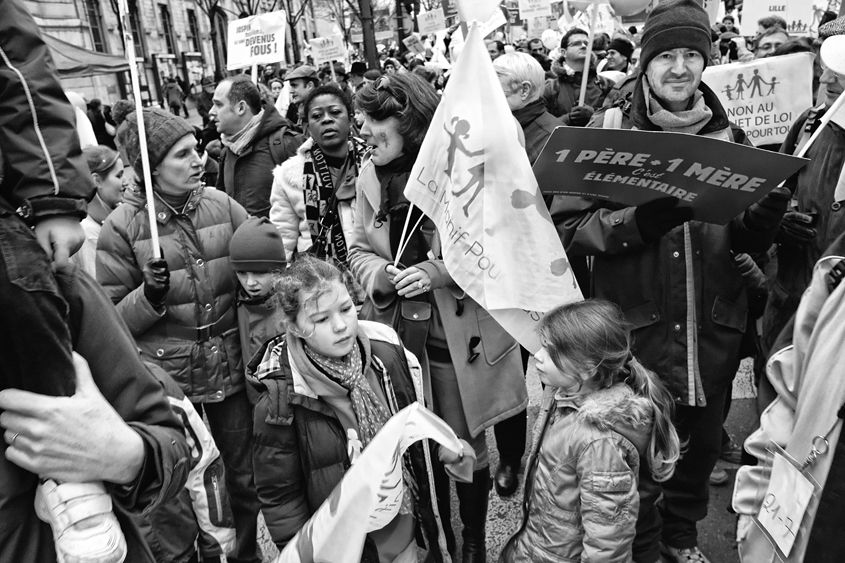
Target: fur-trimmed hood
[
  {"x": 290, "y": 171},
  {"x": 617, "y": 408}
]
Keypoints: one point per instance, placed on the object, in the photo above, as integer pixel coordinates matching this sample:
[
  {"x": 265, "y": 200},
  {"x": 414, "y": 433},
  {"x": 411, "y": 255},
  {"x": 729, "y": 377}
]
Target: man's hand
[
  {"x": 70, "y": 439},
  {"x": 60, "y": 237},
  {"x": 580, "y": 115},
  {"x": 796, "y": 229}
]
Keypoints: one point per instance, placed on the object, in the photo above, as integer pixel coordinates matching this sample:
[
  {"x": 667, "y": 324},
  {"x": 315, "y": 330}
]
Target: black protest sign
[{"x": 717, "y": 179}]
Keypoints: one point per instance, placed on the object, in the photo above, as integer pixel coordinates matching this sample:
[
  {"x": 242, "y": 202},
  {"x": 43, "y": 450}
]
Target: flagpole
[
  {"x": 825, "y": 119},
  {"x": 129, "y": 48},
  {"x": 585, "y": 75}
]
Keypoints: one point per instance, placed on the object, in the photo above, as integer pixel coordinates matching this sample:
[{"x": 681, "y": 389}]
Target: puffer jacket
[
  {"x": 813, "y": 189},
  {"x": 561, "y": 93},
  {"x": 649, "y": 282},
  {"x": 492, "y": 387},
  {"x": 195, "y": 338},
  {"x": 200, "y": 519},
  {"x": 300, "y": 446},
  {"x": 248, "y": 177},
  {"x": 581, "y": 499},
  {"x": 42, "y": 169},
  {"x": 805, "y": 369},
  {"x": 287, "y": 202}
]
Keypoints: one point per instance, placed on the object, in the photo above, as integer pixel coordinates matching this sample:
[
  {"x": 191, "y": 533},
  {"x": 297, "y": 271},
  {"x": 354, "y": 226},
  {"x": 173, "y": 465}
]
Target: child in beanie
[{"x": 256, "y": 252}]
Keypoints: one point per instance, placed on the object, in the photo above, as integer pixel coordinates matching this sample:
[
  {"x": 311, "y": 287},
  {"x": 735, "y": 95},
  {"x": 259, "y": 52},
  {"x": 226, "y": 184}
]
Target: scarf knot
[
  {"x": 240, "y": 141},
  {"x": 690, "y": 121}
]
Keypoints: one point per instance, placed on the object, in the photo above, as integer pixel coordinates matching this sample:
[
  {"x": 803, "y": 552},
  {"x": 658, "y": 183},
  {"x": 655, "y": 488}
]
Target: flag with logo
[
  {"x": 473, "y": 179},
  {"x": 370, "y": 494}
]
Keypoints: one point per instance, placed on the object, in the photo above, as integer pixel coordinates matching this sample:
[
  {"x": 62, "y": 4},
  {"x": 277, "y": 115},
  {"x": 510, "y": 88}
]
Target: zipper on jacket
[{"x": 215, "y": 487}]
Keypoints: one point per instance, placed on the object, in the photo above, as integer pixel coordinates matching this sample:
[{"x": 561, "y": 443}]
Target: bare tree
[{"x": 210, "y": 8}]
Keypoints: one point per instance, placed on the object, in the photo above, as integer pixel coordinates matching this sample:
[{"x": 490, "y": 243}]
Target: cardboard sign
[
  {"x": 413, "y": 43},
  {"x": 327, "y": 49},
  {"x": 764, "y": 96},
  {"x": 535, "y": 8},
  {"x": 717, "y": 179},
  {"x": 431, "y": 22},
  {"x": 785, "y": 503},
  {"x": 256, "y": 40},
  {"x": 802, "y": 16}
]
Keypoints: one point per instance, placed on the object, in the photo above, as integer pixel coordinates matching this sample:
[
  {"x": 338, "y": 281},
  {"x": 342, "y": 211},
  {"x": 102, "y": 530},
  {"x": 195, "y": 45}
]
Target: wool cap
[
  {"x": 831, "y": 28},
  {"x": 675, "y": 24},
  {"x": 257, "y": 247},
  {"x": 623, "y": 47},
  {"x": 163, "y": 131}
]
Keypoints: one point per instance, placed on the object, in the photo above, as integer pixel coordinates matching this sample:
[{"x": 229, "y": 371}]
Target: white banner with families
[
  {"x": 370, "y": 494},
  {"x": 473, "y": 179},
  {"x": 764, "y": 96},
  {"x": 802, "y": 16},
  {"x": 256, "y": 40}
]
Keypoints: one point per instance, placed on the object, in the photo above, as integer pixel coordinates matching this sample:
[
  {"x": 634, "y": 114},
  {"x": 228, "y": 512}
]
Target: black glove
[
  {"x": 658, "y": 217},
  {"x": 766, "y": 214},
  {"x": 579, "y": 116},
  {"x": 796, "y": 229},
  {"x": 156, "y": 281}
]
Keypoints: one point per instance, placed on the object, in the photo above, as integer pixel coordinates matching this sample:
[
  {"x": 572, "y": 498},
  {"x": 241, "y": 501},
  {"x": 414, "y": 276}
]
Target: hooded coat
[
  {"x": 805, "y": 370},
  {"x": 581, "y": 499}
]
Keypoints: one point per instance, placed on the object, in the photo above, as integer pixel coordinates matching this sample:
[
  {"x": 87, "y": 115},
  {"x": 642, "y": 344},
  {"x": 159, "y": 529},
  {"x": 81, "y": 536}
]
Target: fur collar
[{"x": 617, "y": 409}]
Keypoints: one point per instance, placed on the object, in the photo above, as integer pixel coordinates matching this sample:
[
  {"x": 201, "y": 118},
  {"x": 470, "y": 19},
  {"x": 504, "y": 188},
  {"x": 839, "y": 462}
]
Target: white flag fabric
[
  {"x": 473, "y": 179},
  {"x": 370, "y": 494}
]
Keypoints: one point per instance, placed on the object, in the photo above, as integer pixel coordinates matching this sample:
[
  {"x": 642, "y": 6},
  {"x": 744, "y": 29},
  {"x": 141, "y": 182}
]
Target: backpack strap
[{"x": 283, "y": 144}]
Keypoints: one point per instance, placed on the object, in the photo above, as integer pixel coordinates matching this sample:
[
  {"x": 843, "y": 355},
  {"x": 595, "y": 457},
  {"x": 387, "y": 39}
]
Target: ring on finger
[
  {"x": 15, "y": 437},
  {"x": 420, "y": 285}
]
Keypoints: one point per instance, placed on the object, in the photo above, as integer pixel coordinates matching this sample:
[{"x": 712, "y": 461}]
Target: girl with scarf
[
  {"x": 327, "y": 387},
  {"x": 313, "y": 192},
  {"x": 472, "y": 367}
]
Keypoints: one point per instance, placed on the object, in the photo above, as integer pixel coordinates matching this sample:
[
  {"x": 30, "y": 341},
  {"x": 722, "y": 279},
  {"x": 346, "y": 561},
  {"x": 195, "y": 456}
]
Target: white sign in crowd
[
  {"x": 327, "y": 49},
  {"x": 765, "y": 96},
  {"x": 256, "y": 40}
]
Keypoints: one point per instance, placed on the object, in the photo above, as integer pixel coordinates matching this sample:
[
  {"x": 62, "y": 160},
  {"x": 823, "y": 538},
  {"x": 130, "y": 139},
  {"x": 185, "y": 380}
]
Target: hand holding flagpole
[{"x": 129, "y": 48}]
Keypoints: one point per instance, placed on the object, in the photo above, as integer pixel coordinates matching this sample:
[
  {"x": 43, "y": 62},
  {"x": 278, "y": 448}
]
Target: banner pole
[
  {"x": 400, "y": 249},
  {"x": 585, "y": 75},
  {"x": 334, "y": 76},
  {"x": 129, "y": 49},
  {"x": 825, "y": 119},
  {"x": 255, "y": 74}
]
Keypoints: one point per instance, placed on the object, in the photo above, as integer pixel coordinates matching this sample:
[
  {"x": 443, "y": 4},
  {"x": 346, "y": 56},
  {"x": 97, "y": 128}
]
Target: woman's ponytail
[{"x": 664, "y": 447}]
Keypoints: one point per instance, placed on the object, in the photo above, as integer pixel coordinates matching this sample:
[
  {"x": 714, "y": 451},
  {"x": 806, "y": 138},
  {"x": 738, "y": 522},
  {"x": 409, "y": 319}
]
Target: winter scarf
[
  {"x": 394, "y": 209},
  {"x": 689, "y": 121},
  {"x": 370, "y": 414},
  {"x": 240, "y": 141}
]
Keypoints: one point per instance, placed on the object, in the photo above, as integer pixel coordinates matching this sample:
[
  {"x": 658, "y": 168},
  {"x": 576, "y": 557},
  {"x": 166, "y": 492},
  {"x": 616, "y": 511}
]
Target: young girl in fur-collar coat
[{"x": 602, "y": 413}]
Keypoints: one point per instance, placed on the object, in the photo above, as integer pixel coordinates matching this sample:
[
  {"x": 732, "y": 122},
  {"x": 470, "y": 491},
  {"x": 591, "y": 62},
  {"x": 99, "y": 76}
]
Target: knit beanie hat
[
  {"x": 163, "y": 131},
  {"x": 623, "y": 47},
  {"x": 257, "y": 247},
  {"x": 675, "y": 24}
]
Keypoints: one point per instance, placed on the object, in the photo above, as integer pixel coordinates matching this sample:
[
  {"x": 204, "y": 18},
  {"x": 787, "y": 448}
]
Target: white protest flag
[
  {"x": 473, "y": 179},
  {"x": 370, "y": 494}
]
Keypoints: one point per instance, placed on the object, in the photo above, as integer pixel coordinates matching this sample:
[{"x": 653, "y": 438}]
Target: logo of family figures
[{"x": 754, "y": 86}]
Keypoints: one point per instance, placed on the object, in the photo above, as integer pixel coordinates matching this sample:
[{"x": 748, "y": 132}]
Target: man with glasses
[
  {"x": 769, "y": 40},
  {"x": 562, "y": 93}
]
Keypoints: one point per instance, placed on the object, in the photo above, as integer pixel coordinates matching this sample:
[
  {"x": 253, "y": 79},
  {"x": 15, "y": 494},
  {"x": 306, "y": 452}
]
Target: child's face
[
  {"x": 571, "y": 380},
  {"x": 257, "y": 284},
  {"x": 329, "y": 322}
]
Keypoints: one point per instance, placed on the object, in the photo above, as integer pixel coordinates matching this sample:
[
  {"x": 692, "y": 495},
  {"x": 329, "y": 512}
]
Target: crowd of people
[{"x": 154, "y": 401}]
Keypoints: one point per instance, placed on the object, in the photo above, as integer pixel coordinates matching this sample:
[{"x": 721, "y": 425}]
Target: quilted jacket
[{"x": 195, "y": 242}]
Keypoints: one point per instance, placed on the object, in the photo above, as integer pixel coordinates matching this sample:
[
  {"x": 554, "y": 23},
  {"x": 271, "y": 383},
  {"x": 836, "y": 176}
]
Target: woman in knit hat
[{"x": 180, "y": 307}]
